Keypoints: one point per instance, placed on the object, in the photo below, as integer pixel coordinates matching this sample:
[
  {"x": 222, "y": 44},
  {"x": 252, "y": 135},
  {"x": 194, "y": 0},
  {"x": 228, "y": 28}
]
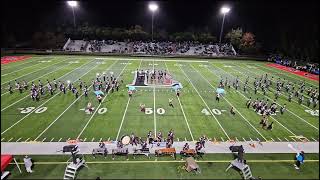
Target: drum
[{"x": 125, "y": 140}]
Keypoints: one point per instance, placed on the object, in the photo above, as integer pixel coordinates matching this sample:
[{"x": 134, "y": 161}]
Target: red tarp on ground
[
  {"x": 296, "y": 72},
  {"x": 10, "y": 59},
  {"x": 5, "y": 160}
]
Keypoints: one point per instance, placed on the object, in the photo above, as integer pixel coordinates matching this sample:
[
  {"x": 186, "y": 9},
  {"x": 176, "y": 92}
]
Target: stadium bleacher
[{"x": 150, "y": 48}]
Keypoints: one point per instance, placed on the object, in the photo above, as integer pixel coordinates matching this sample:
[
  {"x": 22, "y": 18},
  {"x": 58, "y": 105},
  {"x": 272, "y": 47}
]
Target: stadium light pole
[
  {"x": 73, "y": 4},
  {"x": 153, "y": 8},
  {"x": 224, "y": 10}
]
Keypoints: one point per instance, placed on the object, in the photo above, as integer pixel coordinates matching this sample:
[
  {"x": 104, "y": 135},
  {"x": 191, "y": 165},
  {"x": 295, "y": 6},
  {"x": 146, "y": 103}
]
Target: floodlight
[
  {"x": 225, "y": 10},
  {"x": 153, "y": 7},
  {"x": 72, "y": 3}
]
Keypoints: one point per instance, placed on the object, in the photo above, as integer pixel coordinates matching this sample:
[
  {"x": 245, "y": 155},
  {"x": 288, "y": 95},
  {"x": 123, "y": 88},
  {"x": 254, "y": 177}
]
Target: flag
[
  {"x": 220, "y": 91},
  {"x": 98, "y": 93},
  {"x": 132, "y": 88}
]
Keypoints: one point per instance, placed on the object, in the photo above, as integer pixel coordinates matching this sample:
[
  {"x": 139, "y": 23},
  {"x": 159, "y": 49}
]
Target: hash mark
[
  {"x": 185, "y": 139},
  {"x": 244, "y": 139},
  {"x": 108, "y": 138},
  {"x": 10, "y": 139},
  {"x": 272, "y": 139},
  {"x": 85, "y": 139},
  {"x": 313, "y": 138},
  {"x": 294, "y": 139},
  {"x": 251, "y": 139},
  {"x": 51, "y": 139},
  {"x": 44, "y": 139},
  {"x": 59, "y": 139},
  {"x": 68, "y": 139},
  {"x": 222, "y": 139},
  {"x": 2, "y": 139},
  {"x": 178, "y": 139},
  {"x": 26, "y": 140},
  {"x": 279, "y": 139},
  {"x": 237, "y": 139},
  {"x": 18, "y": 140},
  {"x": 286, "y": 139},
  {"x": 92, "y": 139},
  {"x": 100, "y": 139}
]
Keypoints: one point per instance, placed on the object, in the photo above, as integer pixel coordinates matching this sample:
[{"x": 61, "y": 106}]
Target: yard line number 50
[{"x": 159, "y": 111}]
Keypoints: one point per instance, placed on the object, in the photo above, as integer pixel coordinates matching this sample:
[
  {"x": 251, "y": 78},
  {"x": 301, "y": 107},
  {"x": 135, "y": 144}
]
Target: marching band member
[
  {"x": 159, "y": 136},
  {"x": 232, "y": 111},
  {"x": 142, "y": 108},
  {"x": 101, "y": 144},
  {"x": 150, "y": 139},
  {"x": 89, "y": 108},
  {"x": 170, "y": 102},
  {"x": 99, "y": 99}
]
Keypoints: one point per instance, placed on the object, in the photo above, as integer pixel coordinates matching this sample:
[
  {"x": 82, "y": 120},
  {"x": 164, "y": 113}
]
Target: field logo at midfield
[
  {"x": 29, "y": 109},
  {"x": 313, "y": 113}
]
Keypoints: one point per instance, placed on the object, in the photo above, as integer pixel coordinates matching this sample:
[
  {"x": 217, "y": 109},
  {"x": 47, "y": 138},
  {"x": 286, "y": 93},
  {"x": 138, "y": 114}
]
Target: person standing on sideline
[
  {"x": 299, "y": 159},
  {"x": 28, "y": 164}
]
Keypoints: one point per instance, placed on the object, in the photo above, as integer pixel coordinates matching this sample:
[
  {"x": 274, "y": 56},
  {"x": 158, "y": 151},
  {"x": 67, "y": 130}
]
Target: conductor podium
[
  {"x": 244, "y": 168},
  {"x": 75, "y": 164}
]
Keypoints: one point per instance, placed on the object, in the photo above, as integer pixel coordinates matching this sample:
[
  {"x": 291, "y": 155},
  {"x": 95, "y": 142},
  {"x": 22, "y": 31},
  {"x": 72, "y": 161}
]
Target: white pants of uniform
[{"x": 29, "y": 169}]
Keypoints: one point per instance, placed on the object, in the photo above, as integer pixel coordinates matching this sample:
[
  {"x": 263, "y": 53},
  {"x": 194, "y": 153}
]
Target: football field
[{"x": 62, "y": 117}]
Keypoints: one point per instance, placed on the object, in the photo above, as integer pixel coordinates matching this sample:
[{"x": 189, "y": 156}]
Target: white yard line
[
  {"x": 144, "y": 59},
  {"x": 205, "y": 103},
  {"x": 23, "y": 62},
  {"x": 259, "y": 93},
  {"x": 31, "y": 72},
  {"x": 20, "y": 69},
  {"x": 56, "y": 79},
  {"x": 99, "y": 104},
  {"x": 271, "y": 69},
  {"x": 248, "y": 98},
  {"x": 230, "y": 103},
  {"x": 124, "y": 115},
  {"x": 282, "y": 94},
  {"x": 184, "y": 115},
  {"x": 125, "y": 111},
  {"x": 289, "y": 110},
  {"x": 41, "y": 76},
  {"x": 41, "y": 105},
  {"x": 154, "y": 108},
  {"x": 66, "y": 108}
]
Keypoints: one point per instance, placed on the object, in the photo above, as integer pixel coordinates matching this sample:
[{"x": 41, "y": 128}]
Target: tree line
[{"x": 243, "y": 42}]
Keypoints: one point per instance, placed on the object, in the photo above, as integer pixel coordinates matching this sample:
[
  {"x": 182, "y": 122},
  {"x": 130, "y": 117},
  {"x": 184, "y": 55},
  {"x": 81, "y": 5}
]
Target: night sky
[{"x": 268, "y": 20}]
